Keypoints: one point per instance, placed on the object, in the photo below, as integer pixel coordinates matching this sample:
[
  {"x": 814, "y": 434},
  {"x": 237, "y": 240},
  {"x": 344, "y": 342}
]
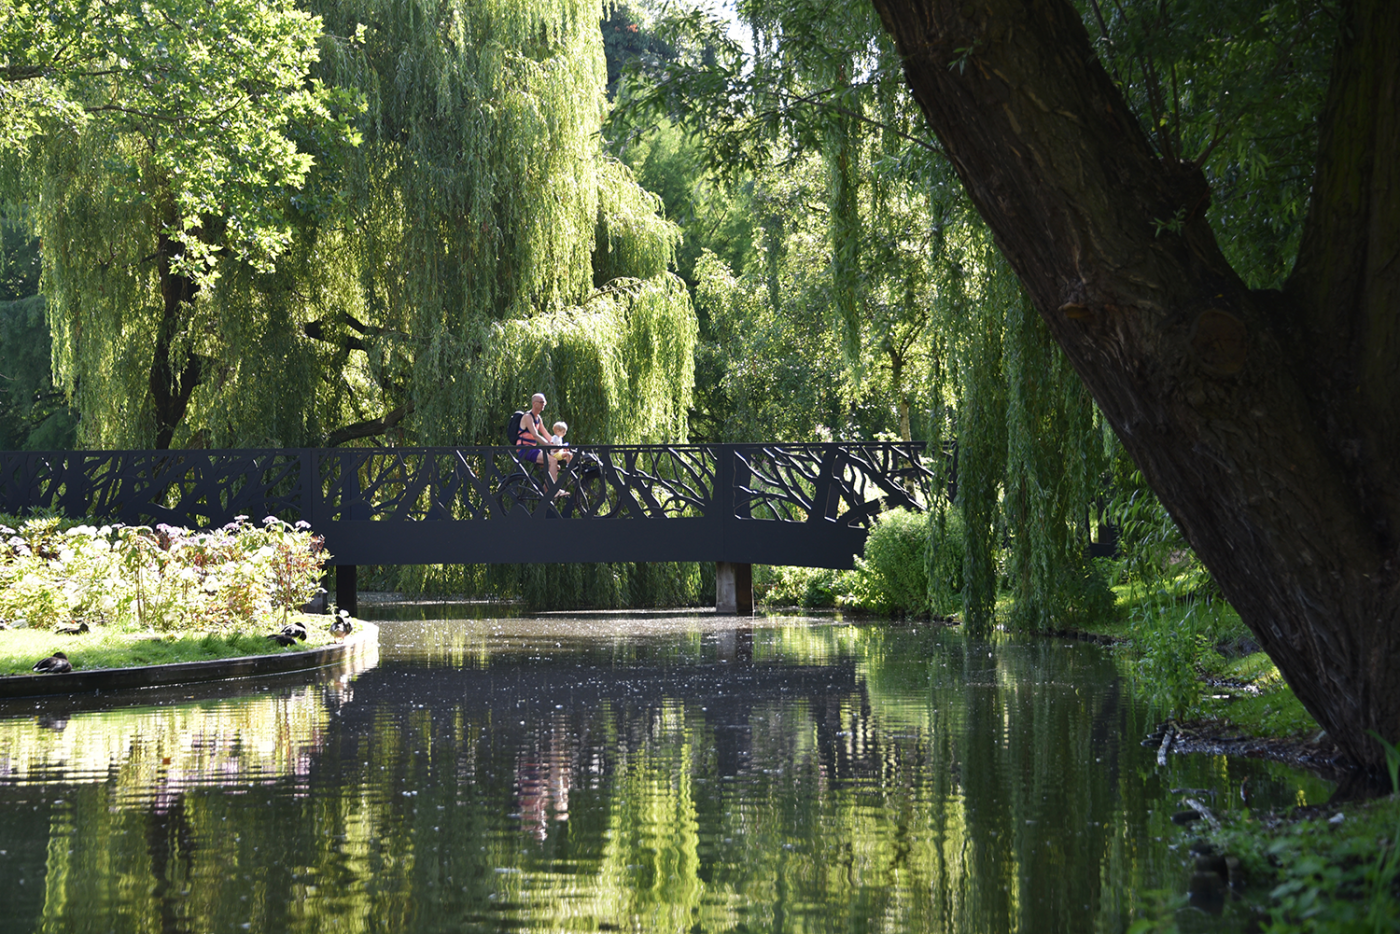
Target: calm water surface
[{"x": 622, "y": 772}]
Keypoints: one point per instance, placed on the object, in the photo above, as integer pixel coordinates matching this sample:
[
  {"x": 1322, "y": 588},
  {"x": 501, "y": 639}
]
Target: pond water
[{"x": 617, "y": 772}]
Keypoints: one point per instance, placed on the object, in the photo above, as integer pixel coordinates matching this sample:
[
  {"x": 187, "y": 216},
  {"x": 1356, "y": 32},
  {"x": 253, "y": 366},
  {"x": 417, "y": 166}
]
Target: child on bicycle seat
[{"x": 561, "y": 453}]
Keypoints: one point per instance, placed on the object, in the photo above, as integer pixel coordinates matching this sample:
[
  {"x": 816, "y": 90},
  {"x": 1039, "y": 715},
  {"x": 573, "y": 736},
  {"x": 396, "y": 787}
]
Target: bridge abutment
[
  {"x": 733, "y": 588},
  {"x": 346, "y": 589}
]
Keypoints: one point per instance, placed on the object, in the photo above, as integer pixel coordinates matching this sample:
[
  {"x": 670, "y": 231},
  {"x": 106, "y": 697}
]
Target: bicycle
[{"x": 581, "y": 491}]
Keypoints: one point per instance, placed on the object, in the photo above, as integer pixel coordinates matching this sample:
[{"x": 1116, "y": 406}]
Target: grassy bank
[
  {"x": 1329, "y": 869},
  {"x": 113, "y": 647},
  {"x": 1192, "y": 658}
]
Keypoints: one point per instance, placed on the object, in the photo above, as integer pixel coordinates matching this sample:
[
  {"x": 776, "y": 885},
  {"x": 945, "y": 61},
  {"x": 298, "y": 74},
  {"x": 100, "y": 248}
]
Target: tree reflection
[{"x": 787, "y": 778}]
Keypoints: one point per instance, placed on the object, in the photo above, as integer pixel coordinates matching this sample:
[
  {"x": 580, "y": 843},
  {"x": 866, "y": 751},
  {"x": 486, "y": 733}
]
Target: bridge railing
[{"x": 759, "y": 503}]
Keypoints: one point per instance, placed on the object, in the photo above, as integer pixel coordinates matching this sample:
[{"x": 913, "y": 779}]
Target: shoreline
[{"x": 364, "y": 641}]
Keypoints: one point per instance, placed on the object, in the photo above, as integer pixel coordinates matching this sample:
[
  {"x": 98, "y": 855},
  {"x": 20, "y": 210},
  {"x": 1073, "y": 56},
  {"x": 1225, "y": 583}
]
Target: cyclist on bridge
[{"x": 532, "y": 434}]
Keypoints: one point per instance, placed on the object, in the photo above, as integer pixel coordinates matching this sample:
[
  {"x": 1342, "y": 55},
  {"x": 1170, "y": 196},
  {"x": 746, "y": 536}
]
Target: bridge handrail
[
  {"x": 204, "y": 487},
  {"x": 776, "y": 503}
]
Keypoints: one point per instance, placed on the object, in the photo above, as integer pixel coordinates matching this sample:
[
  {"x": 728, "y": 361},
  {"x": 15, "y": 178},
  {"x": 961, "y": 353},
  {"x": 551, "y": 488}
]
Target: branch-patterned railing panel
[
  {"x": 188, "y": 488},
  {"x": 731, "y": 497},
  {"x": 849, "y": 483}
]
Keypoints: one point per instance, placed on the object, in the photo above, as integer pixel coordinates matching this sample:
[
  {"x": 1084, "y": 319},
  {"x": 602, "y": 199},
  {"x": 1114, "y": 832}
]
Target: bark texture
[
  {"x": 1265, "y": 421},
  {"x": 171, "y": 391}
]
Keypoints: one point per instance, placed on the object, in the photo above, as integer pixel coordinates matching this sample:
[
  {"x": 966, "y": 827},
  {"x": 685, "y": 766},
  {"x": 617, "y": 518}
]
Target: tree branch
[
  {"x": 370, "y": 428},
  {"x": 316, "y": 330}
]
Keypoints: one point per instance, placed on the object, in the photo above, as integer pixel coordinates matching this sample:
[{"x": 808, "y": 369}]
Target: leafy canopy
[{"x": 216, "y": 94}]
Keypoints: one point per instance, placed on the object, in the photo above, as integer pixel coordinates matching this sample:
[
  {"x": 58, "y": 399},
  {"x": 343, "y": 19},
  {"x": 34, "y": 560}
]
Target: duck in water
[{"x": 55, "y": 664}]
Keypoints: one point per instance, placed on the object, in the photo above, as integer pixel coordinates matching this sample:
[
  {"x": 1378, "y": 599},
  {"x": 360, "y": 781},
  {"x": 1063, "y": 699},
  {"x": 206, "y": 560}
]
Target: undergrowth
[{"x": 1336, "y": 872}]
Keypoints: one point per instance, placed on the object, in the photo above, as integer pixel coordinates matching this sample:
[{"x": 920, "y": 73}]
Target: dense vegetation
[
  {"x": 381, "y": 222},
  {"x": 115, "y": 595},
  {"x": 388, "y": 223}
]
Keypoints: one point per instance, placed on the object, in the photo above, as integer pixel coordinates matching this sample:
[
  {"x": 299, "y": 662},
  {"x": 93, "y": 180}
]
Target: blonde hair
[{"x": 560, "y": 427}]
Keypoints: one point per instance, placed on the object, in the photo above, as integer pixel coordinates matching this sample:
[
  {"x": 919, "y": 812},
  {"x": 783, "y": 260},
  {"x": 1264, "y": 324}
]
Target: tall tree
[
  {"x": 501, "y": 251},
  {"x": 883, "y": 251},
  {"x": 1266, "y": 420},
  {"x": 224, "y": 268},
  {"x": 152, "y": 142}
]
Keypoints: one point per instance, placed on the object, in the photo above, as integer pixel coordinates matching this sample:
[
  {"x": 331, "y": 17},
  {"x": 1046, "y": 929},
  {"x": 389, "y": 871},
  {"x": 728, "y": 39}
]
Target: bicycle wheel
[
  {"x": 589, "y": 491},
  {"x": 518, "y": 494}
]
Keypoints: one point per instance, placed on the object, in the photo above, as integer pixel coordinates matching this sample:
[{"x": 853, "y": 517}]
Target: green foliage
[
  {"x": 618, "y": 370},
  {"x": 33, "y": 415},
  {"x": 871, "y": 264},
  {"x": 809, "y": 588},
  {"x": 615, "y": 586},
  {"x": 892, "y": 578},
  {"x": 628, "y": 37},
  {"x": 1334, "y": 873},
  {"x": 945, "y": 559},
  {"x": 170, "y": 153},
  {"x": 168, "y": 579},
  {"x": 1174, "y": 610},
  {"x": 1168, "y": 646},
  {"x": 1029, "y": 454},
  {"x": 1204, "y": 78},
  {"x": 716, "y": 215},
  {"x": 438, "y": 214},
  {"x": 770, "y": 364},
  {"x": 188, "y": 112},
  {"x": 633, "y": 240},
  {"x": 538, "y": 587},
  {"x": 1159, "y": 913},
  {"x": 111, "y": 647},
  {"x": 1267, "y": 708},
  {"x": 1155, "y": 558},
  {"x": 1054, "y": 453},
  {"x": 492, "y": 213},
  {"x": 980, "y": 429}
]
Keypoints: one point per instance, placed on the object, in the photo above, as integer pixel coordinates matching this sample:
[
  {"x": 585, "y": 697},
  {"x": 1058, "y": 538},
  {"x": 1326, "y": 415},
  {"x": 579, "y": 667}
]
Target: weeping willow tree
[
  {"x": 503, "y": 253},
  {"x": 430, "y": 234},
  {"x": 154, "y": 148},
  {"x": 880, "y": 255}
]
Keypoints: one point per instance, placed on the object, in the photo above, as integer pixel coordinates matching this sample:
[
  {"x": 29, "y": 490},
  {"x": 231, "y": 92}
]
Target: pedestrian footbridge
[{"x": 734, "y": 504}]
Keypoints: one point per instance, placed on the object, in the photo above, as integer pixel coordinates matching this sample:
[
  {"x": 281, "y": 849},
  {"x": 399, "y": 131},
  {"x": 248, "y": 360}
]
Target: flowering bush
[{"x": 163, "y": 578}]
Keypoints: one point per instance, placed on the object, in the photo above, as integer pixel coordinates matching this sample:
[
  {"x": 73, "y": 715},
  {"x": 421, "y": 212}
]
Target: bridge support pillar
[
  {"x": 733, "y": 588},
  {"x": 346, "y": 592}
]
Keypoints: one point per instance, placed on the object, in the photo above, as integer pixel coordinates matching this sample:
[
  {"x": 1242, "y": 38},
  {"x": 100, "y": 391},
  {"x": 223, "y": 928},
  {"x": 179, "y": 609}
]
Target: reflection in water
[{"x": 618, "y": 772}]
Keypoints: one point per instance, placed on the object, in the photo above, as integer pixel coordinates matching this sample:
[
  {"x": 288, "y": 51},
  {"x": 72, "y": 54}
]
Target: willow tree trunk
[
  {"x": 170, "y": 391},
  {"x": 1266, "y": 421}
]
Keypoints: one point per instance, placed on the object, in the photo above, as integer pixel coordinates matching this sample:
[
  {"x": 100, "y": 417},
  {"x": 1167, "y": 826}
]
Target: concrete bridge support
[
  {"x": 733, "y": 588},
  {"x": 346, "y": 588}
]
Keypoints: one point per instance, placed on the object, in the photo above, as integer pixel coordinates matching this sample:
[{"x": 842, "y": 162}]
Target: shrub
[
  {"x": 811, "y": 588},
  {"x": 893, "y": 576},
  {"x": 165, "y": 578}
]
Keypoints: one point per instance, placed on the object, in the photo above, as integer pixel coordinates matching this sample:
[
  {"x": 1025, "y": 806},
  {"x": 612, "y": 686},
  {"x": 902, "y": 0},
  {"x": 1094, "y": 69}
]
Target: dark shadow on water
[{"x": 376, "y": 607}]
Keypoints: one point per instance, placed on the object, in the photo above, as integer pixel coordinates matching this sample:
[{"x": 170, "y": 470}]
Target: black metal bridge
[{"x": 735, "y": 504}]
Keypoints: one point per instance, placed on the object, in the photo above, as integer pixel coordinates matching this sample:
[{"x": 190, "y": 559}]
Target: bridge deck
[{"x": 796, "y": 504}]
